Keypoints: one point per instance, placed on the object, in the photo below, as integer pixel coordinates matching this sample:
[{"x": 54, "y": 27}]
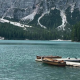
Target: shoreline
[{"x": 59, "y": 40}]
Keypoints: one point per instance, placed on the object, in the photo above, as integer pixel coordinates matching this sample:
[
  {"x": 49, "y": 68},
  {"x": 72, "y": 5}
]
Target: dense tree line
[
  {"x": 73, "y": 17},
  {"x": 10, "y": 32},
  {"x": 13, "y": 32},
  {"x": 76, "y": 32},
  {"x": 53, "y": 19}
]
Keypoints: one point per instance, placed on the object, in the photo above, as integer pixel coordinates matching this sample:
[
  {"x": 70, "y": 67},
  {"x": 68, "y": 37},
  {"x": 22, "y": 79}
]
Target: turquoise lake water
[{"x": 17, "y": 60}]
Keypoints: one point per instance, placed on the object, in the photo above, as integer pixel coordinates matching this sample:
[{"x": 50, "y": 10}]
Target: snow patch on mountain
[
  {"x": 72, "y": 7},
  {"x": 64, "y": 20},
  {"x": 40, "y": 19},
  {"x": 14, "y": 23},
  {"x": 32, "y": 15}
]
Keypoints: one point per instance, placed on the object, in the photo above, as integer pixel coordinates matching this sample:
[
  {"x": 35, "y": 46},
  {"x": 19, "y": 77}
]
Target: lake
[{"x": 17, "y": 60}]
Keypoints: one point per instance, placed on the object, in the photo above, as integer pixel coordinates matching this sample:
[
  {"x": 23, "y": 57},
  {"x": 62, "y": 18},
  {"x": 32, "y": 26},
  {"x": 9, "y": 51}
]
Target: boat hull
[{"x": 53, "y": 62}]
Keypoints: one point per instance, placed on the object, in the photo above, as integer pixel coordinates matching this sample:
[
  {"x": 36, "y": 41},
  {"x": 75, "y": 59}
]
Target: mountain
[{"x": 48, "y": 14}]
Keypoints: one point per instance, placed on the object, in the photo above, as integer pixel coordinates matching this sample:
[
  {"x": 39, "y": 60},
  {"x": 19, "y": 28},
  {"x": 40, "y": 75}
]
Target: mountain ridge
[{"x": 26, "y": 10}]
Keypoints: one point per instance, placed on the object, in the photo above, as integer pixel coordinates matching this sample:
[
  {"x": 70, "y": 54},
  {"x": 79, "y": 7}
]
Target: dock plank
[{"x": 72, "y": 64}]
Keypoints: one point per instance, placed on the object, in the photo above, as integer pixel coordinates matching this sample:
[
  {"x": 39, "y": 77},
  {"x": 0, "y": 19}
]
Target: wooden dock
[
  {"x": 75, "y": 64},
  {"x": 70, "y": 59},
  {"x": 39, "y": 60}
]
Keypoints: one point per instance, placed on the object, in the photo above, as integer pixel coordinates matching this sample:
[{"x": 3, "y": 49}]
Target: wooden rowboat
[
  {"x": 39, "y": 58},
  {"x": 53, "y": 62}
]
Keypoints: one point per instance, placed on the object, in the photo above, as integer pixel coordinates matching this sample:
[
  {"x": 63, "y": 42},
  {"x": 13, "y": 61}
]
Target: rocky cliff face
[
  {"x": 16, "y": 8},
  {"x": 27, "y": 10}
]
